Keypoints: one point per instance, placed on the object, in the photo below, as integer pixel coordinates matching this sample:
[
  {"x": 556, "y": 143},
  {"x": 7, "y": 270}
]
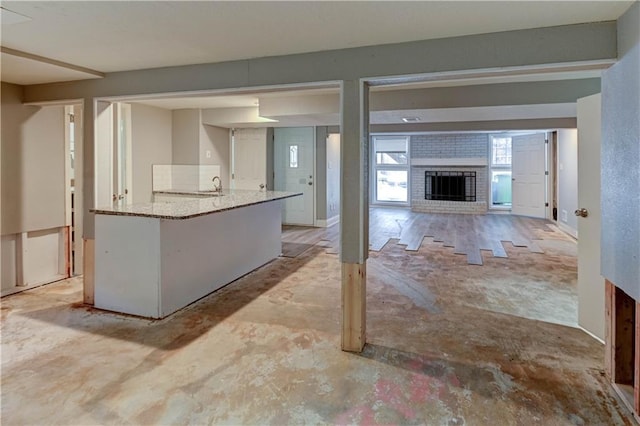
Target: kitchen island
[{"x": 155, "y": 258}]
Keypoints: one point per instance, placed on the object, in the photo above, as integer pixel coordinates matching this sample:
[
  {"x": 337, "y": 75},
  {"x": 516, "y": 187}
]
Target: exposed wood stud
[
  {"x": 89, "y": 268},
  {"x": 354, "y": 281},
  {"x": 609, "y": 328},
  {"x": 624, "y": 336},
  {"x": 636, "y": 363}
]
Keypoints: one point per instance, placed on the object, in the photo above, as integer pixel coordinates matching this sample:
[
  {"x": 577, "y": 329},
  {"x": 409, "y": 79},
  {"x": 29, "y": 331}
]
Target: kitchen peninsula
[{"x": 155, "y": 258}]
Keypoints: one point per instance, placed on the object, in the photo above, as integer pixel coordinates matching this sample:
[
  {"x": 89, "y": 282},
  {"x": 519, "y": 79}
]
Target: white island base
[{"x": 152, "y": 267}]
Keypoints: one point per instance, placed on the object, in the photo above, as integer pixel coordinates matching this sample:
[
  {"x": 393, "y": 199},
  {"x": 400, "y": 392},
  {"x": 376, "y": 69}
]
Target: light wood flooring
[{"x": 467, "y": 234}]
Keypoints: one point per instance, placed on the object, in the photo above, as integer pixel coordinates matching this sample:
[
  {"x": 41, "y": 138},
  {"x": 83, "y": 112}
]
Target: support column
[{"x": 354, "y": 211}]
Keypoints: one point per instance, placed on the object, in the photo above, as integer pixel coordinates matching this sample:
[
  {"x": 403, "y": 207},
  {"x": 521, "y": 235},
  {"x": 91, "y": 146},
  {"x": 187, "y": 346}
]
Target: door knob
[
  {"x": 310, "y": 183},
  {"x": 581, "y": 212}
]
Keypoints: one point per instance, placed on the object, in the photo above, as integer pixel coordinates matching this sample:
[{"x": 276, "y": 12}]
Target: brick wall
[{"x": 463, "y": 145}]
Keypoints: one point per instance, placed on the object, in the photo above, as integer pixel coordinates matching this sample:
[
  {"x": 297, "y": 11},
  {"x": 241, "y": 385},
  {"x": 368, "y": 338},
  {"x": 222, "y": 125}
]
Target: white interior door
[
  {"x": 590, "y": 282},
  {"x": 528, "y": 175},
  {"x": 249, "y": 159},
  {"x": 294, "y": 171}
]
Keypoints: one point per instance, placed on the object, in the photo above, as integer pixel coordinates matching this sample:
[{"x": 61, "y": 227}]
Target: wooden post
[
  {"x": 89, "y": 271},
  {"x": 636, "y": 364},
  {"x": 354, "y": 316},
  {"x": 354, "y": 211},
  {"x": 609, "y": 328}
]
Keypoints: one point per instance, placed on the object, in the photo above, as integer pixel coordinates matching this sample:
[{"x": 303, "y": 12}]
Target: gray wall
[
  {"x": 621, "y": 160},
  {"x": 185, "y": 135},
  {"x": 568, "y": 179},
  {"x": 33, "y": 164},
  {"x": 321, "y": 172},
  {"x": 151, "y": 144}
]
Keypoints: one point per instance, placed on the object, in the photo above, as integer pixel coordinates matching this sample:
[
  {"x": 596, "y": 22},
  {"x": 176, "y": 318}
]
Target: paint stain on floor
[{"x": 448, "y": 344}]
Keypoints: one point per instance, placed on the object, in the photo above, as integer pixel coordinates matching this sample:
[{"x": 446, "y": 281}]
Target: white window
[
  {"x": 500, "y": 172},
  {"x": 390, "y": 169},
  {"x": 293, "y": 156}
]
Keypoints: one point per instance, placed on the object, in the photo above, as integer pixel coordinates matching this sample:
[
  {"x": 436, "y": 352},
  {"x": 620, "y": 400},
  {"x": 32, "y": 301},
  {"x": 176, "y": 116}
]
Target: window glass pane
[
  {"x": 501, "y": 152},
  {"x": 391, "y": 151},
  {"x": 501, "y": 188},
  {"x": 391, "y": 185},
  {"x": 293, "y": 156}
]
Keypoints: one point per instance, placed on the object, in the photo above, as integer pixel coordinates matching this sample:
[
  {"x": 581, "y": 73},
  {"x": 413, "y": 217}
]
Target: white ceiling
[{"x": 109, "y": 36}]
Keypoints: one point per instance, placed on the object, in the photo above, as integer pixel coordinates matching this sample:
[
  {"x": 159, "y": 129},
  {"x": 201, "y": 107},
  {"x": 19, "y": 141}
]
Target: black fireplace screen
[{"x": 450, "y": 186}]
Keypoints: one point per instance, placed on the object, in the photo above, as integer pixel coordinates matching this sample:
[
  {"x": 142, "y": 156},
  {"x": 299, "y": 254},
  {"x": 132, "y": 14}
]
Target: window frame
[
  {"x": 498, "y": 167},
  {"x": 375, "y": 168}
]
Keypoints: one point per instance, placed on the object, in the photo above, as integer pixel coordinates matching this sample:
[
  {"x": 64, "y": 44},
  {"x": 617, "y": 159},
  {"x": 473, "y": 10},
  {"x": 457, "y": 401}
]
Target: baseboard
[
  {"x": 329, "y": 222},
  {"x": 592, "y": 335},
  {"x": 567, "y": 229}
]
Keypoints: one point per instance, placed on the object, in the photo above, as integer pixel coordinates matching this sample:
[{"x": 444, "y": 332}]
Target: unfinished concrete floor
[{"x": 448, "y": 344}]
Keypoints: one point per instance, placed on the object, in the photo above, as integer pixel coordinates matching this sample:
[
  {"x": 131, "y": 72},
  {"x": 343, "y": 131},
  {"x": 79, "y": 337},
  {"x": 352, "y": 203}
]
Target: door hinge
[
  {"x": 72, "y": 118},
  {"x": 233, "y": 132},
  {"x": 546, "y": 173},
  {"x": 233, "y": 175},
  {"x": 546, "y": 204},
  {"x": 546, "y": 141}
]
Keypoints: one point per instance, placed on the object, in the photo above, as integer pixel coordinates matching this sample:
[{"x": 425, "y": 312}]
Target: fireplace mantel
[{"x": 465, "y": 162}]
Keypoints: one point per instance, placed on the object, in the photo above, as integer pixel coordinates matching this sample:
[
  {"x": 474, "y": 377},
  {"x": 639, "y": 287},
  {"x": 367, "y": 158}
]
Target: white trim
[
  {"x": 592, "y": 335},
  {"x": 476, "y": 161},
  {"x": 567, "y": 229},
  {"x": 322, "y": 223}
]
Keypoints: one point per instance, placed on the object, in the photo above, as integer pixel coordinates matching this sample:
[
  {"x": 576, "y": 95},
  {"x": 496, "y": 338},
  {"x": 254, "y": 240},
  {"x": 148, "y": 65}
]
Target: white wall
[
  {"x": 333, "y": 175},
  {"x": 103, "y": 154},
  {"x": 32, "y": 191},
  {"x": 216, "y": 142},
  {"x": 568, "y": 180},
  {"x": 151, "y": 138},
  {"x": 185, "y": 135},
  {"x": 33, "y": 164}
]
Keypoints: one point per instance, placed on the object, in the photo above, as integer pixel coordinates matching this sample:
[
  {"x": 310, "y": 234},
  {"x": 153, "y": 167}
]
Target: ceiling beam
[{"x": 521, "y": 49}]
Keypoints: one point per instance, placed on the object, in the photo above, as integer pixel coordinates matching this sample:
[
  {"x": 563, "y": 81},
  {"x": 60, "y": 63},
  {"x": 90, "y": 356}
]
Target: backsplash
[{"x": 184, "y": 177}]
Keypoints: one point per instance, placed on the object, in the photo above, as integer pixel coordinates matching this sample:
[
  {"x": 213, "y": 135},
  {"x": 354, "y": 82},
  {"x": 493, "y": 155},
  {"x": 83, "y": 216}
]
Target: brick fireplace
[{"x": 446, "y": 163}]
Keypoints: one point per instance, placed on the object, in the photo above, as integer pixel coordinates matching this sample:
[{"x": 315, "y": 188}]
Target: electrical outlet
[{"x": 564, "y": 216}]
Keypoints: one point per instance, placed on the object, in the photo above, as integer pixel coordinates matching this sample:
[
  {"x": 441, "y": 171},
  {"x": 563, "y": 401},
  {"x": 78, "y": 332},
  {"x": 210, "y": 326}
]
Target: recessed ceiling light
[
  {"x": 410, "y": 119},
  {"x": 9, "y": 17}
]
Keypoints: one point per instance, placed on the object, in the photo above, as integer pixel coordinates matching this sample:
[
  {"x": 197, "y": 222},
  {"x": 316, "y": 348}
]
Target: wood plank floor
[{"x": 467, "y": 234}]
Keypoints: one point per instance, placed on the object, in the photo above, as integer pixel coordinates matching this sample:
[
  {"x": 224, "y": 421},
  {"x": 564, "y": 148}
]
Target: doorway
[
  {"x": 249, "y": 158},
  {"x": 113, "y": 165}
]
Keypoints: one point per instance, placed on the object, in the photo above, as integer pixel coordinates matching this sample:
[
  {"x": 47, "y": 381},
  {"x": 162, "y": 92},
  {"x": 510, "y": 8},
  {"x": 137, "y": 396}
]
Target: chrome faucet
[{"x": 217, "y": 188}]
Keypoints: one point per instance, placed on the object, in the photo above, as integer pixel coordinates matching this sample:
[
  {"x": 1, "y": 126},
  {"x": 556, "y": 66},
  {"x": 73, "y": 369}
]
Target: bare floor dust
[{"x": 448, "y": 344}]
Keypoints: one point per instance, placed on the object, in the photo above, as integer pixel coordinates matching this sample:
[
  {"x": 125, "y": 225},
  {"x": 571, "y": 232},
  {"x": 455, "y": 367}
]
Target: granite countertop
[{"x": 199, "y": 205}]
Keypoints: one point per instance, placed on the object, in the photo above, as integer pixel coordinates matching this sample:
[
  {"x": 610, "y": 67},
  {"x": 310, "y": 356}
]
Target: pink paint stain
[
  {"x": 453, "y": 380},
  {"x": 361, "y": 414},
  {"x": 391, "y": 394},
  {"x": 420, "y": 388}
]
